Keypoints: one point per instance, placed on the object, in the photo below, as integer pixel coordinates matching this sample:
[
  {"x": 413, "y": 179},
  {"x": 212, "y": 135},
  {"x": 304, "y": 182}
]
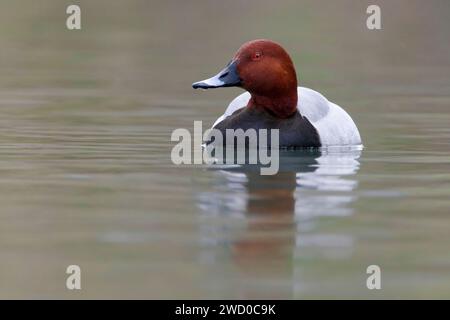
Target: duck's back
[{"x": 334, "y": 125}]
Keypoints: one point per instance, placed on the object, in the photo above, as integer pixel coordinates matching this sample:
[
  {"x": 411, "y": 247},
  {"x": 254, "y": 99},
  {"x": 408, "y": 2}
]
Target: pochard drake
[{"x": 304, "y": 117}]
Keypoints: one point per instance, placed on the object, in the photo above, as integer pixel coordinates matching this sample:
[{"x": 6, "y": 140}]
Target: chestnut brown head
[{"x": 265, "y": 70}]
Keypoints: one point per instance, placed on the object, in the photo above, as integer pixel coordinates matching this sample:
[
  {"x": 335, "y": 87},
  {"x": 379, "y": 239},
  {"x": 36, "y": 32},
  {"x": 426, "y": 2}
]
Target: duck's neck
[{"x": 281, "y": 106}]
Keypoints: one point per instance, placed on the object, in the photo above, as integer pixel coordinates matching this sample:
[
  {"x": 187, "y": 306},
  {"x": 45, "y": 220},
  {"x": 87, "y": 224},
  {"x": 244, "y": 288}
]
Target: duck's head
[{"x": 263, "y": 68}]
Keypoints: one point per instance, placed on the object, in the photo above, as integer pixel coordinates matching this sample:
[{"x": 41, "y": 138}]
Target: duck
[{"x": 273, "y": 100}]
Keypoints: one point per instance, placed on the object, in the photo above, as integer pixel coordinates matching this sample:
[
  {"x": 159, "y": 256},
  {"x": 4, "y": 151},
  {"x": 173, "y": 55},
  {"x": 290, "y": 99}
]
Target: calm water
[{"x": 86, "y": 176}]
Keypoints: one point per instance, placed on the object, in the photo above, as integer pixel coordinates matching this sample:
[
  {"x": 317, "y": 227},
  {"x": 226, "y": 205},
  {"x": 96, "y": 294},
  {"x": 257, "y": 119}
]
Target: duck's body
[
  {"x": 304, "y": 117},
  {"x": 294, "y": 132},
  {"x": 317, "y": 123}
]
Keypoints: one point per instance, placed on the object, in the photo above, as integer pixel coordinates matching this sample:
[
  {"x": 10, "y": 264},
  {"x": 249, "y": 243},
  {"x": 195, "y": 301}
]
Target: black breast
[{"x": 294, "y": 132}]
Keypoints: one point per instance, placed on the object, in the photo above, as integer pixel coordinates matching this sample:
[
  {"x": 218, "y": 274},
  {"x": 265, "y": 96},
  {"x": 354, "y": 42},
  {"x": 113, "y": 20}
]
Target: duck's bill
[{"x": 228, "y": 77}]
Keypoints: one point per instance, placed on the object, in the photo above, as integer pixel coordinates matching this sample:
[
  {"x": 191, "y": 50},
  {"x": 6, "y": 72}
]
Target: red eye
[{"x": 256, "y": 56}]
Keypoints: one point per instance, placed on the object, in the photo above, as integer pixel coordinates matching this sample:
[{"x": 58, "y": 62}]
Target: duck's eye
[{"x": 256, "y": 56}]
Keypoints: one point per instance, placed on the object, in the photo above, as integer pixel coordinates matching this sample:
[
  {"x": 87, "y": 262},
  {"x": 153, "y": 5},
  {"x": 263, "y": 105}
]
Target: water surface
[{"x": 86, "y": 176}]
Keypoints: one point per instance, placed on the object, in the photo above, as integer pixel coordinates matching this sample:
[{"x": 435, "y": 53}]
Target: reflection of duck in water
[
  {"x": 266, "y": 217},
  {"x": 241, "y": 188}
]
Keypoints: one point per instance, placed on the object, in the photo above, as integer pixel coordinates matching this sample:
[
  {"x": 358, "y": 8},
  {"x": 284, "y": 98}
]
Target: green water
[{"x": 86, "y": 176}]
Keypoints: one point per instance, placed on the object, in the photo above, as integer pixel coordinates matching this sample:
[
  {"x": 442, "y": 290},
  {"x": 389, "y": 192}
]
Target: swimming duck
[{"x": 272, "y": 100}]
